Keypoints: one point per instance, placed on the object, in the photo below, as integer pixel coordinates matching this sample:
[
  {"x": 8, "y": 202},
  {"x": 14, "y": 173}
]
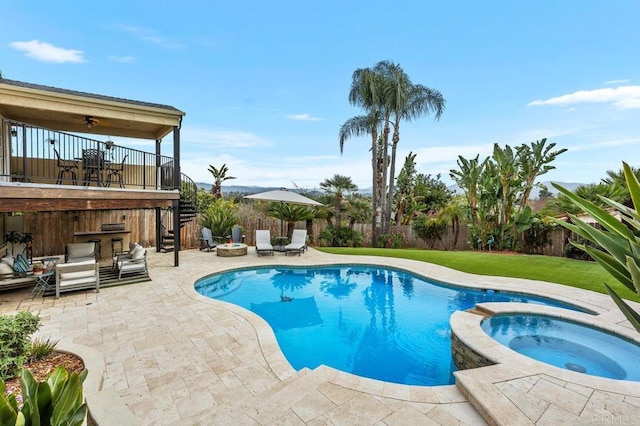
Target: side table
[{"x": 42, "y": 283}]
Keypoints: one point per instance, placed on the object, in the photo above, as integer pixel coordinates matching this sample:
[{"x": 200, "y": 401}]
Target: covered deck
[{"x": 56, "y": 153}]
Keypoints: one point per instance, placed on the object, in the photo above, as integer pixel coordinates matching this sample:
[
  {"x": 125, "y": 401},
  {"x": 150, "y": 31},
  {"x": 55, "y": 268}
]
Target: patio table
[{"x": 280, "y": 243}]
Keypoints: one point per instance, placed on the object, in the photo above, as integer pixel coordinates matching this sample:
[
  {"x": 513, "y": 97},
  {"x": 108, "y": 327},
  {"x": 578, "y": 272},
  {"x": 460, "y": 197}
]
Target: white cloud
[
  {"x": 149, "y": 36},
  {"x": 47, "y": 52},
  {"x": 624, "y": 97},
  {"x": 612, "y": 143},
  {"x": 216, "y": 138},
  {"x": 123, "y": 59},
  {"x": 302, "y": 117},
  {"x": 617, "y": 81}
]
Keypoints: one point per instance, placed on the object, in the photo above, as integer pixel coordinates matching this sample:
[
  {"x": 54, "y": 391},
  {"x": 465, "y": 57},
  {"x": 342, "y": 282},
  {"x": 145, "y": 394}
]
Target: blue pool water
[
  {"x": 567, "y": 345},
  {"x": 371, "y": 321}
]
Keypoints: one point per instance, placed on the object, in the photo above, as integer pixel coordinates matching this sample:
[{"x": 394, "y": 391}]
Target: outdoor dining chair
[
  {"x": 115, "y": 172},
  {"x": 93, "y": 164},
  {"x": 65, "y": 167}
]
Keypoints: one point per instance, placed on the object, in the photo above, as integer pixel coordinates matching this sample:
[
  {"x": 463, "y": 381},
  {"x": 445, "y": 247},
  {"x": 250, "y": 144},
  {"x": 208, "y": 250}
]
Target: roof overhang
[{"x": 67, "y": 111}]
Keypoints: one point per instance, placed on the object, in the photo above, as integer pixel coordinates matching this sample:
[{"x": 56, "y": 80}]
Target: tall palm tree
[
  {"x": 337, "y": 186},
  {"x": 366, "y": 92},
  {"x": 219, "y": 176},
  {"x": 405, "y": 101}
]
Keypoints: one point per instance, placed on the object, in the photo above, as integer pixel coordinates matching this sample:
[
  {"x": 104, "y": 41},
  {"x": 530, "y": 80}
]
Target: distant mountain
[{"x": 239, "y": 189}]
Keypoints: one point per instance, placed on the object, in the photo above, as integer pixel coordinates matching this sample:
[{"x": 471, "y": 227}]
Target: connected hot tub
[{"x": 567, "y": 344}]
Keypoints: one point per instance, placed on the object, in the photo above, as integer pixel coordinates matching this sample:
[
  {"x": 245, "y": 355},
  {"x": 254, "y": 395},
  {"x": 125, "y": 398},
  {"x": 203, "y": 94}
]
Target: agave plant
[{"x": 620, "y": 254}]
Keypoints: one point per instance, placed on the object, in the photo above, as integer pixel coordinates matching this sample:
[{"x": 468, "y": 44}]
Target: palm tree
[
  {"x": 405, "y": 101},
  {"x": 358, "y": 209},
  {"x": 219, "y": 176},
  {"x": 337, "y": 186},
  {"x": 366, "y": 88},
  {"x": 290, "y": 213}
]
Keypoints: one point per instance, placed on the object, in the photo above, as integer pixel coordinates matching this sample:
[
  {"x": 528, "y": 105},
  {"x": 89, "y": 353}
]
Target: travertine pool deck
[{"x": 175, "y": 357}]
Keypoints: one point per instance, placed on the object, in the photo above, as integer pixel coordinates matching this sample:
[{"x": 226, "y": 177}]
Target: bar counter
[{"x": 105, "y": 245}]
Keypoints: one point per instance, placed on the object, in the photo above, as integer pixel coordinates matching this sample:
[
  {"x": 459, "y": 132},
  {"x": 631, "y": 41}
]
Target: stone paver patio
[{"x": 175, "y": 357}]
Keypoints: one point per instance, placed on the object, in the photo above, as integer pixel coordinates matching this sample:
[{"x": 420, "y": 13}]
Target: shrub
[
  {"x": 15, "y": 331},
  {"x": 56, "y": 401},
  {"x": 41, "y": 347},
  {"x": 220, "y": 218},
  {"x": 340, "y": 237}
]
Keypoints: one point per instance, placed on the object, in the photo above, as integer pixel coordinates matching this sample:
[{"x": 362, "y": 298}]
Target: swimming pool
[
  {"x": 372, "y": 321},
  {"x": 566, "y": 344}
]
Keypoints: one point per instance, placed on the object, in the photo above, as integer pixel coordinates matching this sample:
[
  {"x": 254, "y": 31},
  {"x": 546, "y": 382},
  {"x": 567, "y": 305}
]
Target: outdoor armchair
[
  {"x": 298, "y": 242},
  {"x": 134, "y": 261},
  {"x": 208, "y": 241},
  {"x": 77, "y": 276},
  {"x": 79, "y": 252},
  {"x": 263, "y": 242}
]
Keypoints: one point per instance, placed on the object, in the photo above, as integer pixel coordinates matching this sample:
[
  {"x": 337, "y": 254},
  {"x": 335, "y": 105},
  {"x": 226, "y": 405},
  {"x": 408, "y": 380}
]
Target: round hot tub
[{"x": 566, "y": 344}]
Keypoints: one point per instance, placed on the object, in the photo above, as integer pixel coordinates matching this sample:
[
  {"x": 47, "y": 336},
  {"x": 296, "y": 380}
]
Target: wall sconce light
[
  {"x": 14, "y": 133},
  {"x": 109, "y": 144}
]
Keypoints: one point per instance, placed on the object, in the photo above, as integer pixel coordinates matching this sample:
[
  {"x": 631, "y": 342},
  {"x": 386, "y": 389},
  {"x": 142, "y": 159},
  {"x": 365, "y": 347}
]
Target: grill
[{"x": 112, "y": 227}]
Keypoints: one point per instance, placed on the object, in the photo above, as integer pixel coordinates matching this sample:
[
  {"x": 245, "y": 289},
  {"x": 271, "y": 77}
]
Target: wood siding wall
[{"x": 53, "y": 230}]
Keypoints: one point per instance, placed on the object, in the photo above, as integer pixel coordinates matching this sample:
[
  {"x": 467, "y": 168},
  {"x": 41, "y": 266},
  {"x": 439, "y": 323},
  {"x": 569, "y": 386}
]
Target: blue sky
[{"x": 265, "y": 84}]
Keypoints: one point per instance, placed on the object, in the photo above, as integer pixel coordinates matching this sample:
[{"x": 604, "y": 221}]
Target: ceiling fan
[{"x": 91, "y": 121}]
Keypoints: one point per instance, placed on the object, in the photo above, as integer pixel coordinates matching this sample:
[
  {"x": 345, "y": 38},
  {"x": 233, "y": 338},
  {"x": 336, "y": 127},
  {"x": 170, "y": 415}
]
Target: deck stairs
[{"x": 188, "y": 211}]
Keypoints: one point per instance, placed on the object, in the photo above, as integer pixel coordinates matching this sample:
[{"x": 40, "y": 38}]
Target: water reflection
[{"x": 338, "y": 283}]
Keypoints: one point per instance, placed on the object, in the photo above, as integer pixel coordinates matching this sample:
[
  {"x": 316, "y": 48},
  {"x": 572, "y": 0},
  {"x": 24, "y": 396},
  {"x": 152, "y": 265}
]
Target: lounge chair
[
  {"x": 263, "y": 242},
  {"x": 206, "y": 241},
  {"x": 298, "y": 242}
]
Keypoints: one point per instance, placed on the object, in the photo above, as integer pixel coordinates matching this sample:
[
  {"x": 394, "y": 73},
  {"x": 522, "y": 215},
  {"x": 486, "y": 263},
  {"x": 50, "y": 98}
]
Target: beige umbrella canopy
[{"x": 283, "y": 195}]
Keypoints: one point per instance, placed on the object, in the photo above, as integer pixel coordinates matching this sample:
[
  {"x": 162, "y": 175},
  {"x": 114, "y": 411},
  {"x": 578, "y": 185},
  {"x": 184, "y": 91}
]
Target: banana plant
[
  {"x": 620, "y": 254},
  {"x": 57, "y": 401}
]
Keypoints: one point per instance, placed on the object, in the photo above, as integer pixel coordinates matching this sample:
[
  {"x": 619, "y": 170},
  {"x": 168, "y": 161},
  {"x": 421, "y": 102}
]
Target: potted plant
[
  {"x": 38, "y": 268},
  {"x": 12, "y": 237}
]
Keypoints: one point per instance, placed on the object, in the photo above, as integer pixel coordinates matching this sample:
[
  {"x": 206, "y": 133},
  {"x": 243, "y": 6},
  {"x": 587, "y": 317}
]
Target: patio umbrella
[{"x": 283, "y": 195}]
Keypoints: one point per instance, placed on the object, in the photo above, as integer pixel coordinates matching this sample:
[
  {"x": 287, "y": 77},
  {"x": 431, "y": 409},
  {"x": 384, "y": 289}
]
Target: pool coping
[{"x": 604, "y": 308}]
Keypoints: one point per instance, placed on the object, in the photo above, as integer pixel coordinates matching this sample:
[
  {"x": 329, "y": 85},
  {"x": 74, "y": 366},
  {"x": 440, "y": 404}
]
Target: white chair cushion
[
  {"x": 138, "y": 253},
  {"x": 78, "y": 274},
  {"x": 8, "y": 260}
]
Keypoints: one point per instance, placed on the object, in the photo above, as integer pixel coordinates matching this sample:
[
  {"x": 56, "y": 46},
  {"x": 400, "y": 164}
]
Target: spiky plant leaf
[
  {"x": 612, "y": 266},
  {"x": 634, "y": 271},
  {"x": 603, "y": 217},
  {"x": 633, "y": 185},
  {"x": 617, "y": 246},
  {"x": 630, "y": 314}
]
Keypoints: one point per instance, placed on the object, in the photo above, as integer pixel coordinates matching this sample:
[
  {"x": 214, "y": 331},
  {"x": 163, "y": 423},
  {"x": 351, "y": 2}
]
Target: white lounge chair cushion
[
  {"x": 6, "y": 271},
  {"x": 8, "y": 260}
]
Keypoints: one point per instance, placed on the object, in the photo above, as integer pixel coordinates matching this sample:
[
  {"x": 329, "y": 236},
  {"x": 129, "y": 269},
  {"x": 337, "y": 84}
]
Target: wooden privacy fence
[{"x": 52, "y": 230}]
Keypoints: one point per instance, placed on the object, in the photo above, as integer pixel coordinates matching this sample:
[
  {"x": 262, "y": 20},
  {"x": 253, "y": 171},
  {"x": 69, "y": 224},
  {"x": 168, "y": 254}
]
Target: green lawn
[{"x": 575, "y": 273}]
